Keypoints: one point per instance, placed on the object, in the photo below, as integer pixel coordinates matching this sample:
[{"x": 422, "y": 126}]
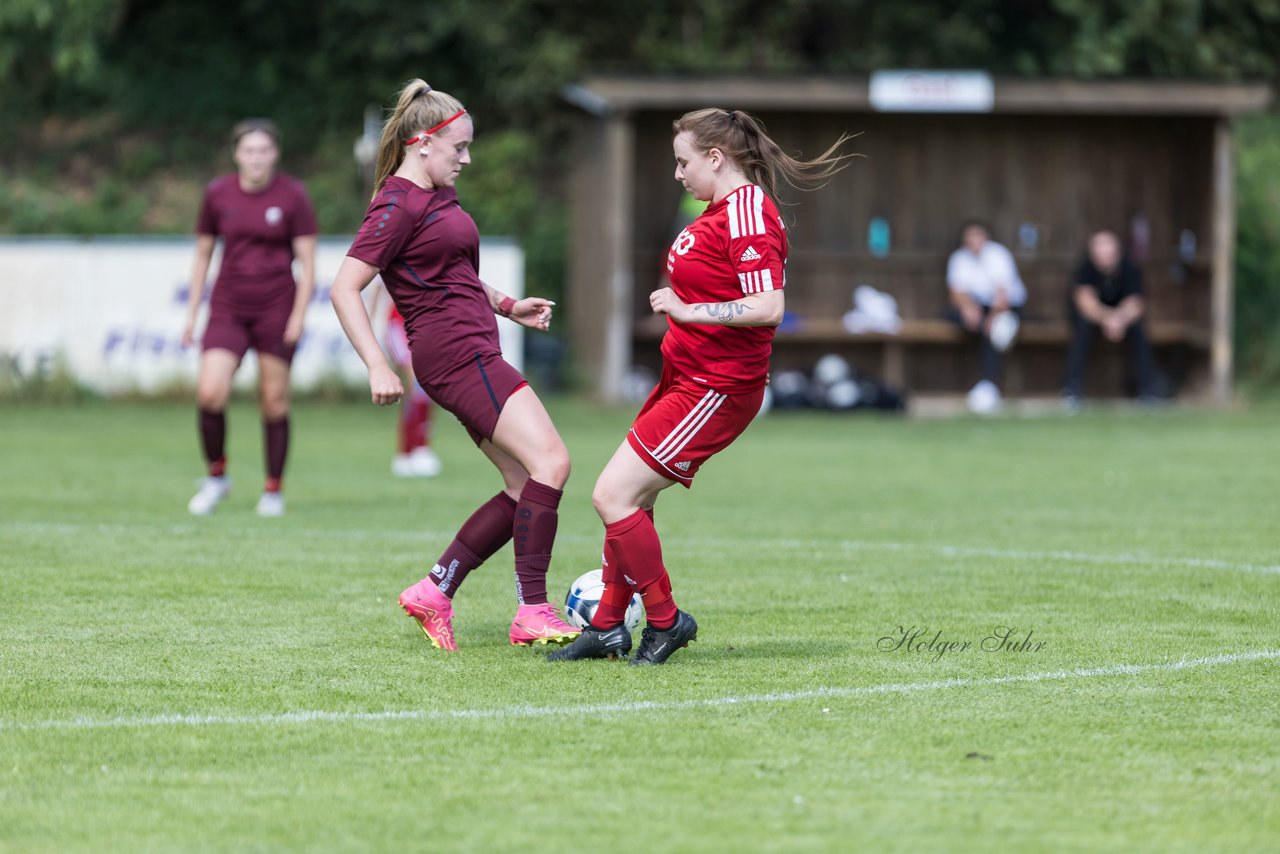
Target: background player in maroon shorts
[
  {"x": 427, "y": 250},
  {"x": 265, "y": 220},
  {"x": 727, "y": 271}
]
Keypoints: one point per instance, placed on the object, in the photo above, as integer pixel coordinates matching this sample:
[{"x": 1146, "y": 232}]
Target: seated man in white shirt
[{"x": 987, "y": 296}]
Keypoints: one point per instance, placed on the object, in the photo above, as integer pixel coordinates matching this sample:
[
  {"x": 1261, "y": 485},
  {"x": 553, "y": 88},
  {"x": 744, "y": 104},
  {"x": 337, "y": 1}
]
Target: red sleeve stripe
[
  {"x": 746, "y": 212},
  {"x": 757, "y": 281}
]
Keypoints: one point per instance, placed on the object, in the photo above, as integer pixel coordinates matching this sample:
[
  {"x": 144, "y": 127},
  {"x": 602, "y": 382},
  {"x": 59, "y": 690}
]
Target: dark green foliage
[
  {"x": 1257, "y": 333},
  {"x": 146, "y": 90}
]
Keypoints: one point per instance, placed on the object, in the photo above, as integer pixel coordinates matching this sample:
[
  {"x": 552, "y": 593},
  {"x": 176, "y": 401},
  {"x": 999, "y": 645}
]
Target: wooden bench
[{"x": 921, "y": 332}]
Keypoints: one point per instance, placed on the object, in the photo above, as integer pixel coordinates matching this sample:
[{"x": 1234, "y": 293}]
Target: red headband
[{"x": 430, "y": 131}]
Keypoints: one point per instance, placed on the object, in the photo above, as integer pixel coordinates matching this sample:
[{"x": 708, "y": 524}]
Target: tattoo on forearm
[{"x": 723, "y": 311}]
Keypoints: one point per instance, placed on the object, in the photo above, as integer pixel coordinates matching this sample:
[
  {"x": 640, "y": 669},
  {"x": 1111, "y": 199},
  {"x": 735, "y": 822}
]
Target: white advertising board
[{"x": 110, "y": 311}]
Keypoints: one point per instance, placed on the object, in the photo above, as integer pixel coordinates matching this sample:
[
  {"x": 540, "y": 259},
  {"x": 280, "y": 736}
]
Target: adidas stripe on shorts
[{"x": 683, "y": 423}]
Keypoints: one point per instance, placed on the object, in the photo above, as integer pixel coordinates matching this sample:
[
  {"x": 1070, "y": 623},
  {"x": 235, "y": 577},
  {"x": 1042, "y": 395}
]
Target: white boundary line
[
  {"x": 940, "y": 549},
  {"x": 516, "y": 712}
]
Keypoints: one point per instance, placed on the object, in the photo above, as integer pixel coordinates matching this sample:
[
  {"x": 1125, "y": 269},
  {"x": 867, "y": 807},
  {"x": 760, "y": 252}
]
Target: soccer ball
[{"x": 584, "y": 597}]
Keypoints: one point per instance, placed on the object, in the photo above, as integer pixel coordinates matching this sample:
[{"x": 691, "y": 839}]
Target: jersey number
[{"x": 683, "y": 243}]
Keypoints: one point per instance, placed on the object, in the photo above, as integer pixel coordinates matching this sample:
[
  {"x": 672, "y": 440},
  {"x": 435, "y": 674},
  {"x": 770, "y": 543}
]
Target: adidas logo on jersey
[
  {"x": 750, "y": 255},
  {"x": 683, "y": 465}
]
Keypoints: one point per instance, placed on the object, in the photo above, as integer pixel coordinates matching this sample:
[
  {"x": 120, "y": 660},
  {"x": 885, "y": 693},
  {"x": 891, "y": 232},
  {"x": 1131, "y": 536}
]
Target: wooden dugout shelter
[{"x": 1066, "y": 157}]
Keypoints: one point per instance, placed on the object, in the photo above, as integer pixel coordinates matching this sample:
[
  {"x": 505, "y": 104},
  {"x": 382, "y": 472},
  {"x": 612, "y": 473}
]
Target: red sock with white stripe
[
  {"x": 612, "y": 609},
  {"x": 636, "y": 555},
  {"x": 617, "y": 594}
]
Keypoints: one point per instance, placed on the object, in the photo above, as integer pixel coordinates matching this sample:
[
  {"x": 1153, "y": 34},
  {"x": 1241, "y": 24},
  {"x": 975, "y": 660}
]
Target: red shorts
[
  {"x": 474, "y": 390},
  {"x": 683, "y": 423},
  {"x": 238, "y": 331}
]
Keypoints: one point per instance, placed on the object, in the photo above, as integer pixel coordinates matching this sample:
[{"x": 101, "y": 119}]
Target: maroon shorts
[
  {"x": 237, "y": 331},
  {"x": 474, "y": 390},
  {"x": 683, "y": 423}
]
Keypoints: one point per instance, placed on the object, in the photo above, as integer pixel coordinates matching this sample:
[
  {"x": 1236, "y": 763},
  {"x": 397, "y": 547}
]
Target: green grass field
[{"x": 235, "y": 683}]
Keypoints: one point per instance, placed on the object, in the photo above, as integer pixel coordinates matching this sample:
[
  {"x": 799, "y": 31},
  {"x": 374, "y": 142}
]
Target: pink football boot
[
  {"x": 540, "y": 624},
  {"x": 434, "y": 612}
]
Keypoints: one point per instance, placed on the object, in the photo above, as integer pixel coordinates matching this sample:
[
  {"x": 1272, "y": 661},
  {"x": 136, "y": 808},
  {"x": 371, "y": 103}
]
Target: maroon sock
[
  {"x": 612, "y": 609},
  {"x": 487, "y": 530},
  {"x": 413, "y": 423},
  {"x": 276, "y": 437},
  {"x": 213, "y": 438},
  {"x": 638, "y": 554},
  {"x": 534, "y": 532}
]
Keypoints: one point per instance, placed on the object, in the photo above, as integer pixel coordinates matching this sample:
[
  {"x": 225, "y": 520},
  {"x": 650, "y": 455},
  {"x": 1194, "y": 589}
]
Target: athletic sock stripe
[
  {"x": 693, "y": 430},
  {"x": 706, "y": 398}
]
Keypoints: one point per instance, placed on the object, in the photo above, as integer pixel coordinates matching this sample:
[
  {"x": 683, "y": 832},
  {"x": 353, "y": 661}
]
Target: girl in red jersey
[
  {"x": 727, "y": 271},
  {"x": 265, "y": 221},
  {"x": 427, "y": 250}
]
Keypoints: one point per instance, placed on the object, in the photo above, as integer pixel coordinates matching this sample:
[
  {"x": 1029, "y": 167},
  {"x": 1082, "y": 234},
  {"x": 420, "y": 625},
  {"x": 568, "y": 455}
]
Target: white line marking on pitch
[
  {"x": 940, "y": 549},
  {"x": 509, "y": 712}
]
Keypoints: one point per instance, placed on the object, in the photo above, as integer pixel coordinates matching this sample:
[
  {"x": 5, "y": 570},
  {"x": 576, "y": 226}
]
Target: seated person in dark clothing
[{"x": 1106, "y": 294}]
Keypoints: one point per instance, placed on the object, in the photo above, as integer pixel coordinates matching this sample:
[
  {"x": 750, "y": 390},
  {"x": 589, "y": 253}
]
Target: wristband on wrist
[{"x": 505, "y": 305}]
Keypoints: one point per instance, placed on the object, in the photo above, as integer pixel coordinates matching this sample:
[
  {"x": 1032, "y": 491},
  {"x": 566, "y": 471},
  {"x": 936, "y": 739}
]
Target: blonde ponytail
[{"x": 418, "y": 107}]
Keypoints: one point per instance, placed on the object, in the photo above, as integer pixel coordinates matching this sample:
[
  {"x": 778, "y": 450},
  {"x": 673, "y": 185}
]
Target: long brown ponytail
[
  {"x": 418, "y": 107},
  {"x": 743, "y": 140}
]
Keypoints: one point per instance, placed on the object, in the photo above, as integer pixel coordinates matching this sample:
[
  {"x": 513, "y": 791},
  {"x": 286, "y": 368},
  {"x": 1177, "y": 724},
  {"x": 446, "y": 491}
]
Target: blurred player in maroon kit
[
  {"x": 427, "y": 250},
  {"x": 727, "y": 271},
  {"x": 265, "y": 221}
]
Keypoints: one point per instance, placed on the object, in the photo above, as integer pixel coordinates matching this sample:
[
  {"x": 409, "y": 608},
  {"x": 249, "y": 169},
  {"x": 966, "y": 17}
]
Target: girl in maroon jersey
[
  {"x": 265, "y": 221},
  {"x": 727, "y": 271},
  {"x": 427, "y": 250}
]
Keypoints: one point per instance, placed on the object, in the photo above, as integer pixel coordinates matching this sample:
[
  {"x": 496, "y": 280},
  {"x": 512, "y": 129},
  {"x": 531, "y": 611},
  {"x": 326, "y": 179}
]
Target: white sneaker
[
  {"x": 212, "y": 491},
  {"x": 984, "y": 398},
  {"x": 271, "y": 504},
  {"x": 421, "y": 462}
]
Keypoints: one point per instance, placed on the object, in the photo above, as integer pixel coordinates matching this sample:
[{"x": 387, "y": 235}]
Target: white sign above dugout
[{"x": 932, "y": 92}]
